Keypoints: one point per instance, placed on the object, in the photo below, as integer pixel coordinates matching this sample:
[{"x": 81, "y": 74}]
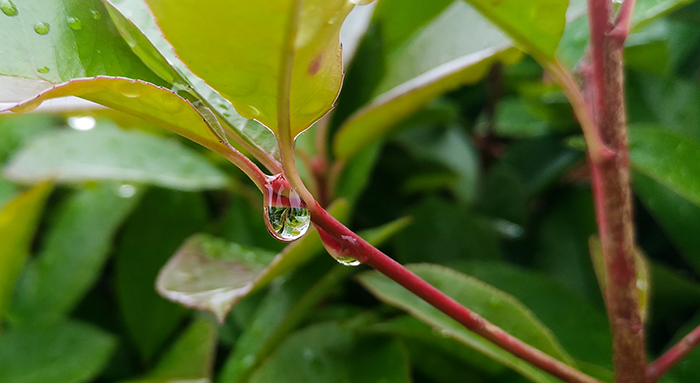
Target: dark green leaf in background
[
  {"x": 150, "y": 236},
  {"x": 73, "y": 253},
  {"x": 66, "y": 352}
]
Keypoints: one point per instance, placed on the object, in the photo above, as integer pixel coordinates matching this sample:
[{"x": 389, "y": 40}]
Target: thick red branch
[
  {"x": 612, "y": 190},
  {"x": 357, "y": 248},
  {"x": 674, "y": 354}
]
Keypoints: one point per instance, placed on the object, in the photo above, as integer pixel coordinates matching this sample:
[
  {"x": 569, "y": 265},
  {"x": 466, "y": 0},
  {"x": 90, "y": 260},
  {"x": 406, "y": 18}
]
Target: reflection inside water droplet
[
  {"x": 81, "y": 123},
  {"x": 41, "y": 28},
  {"x": 8, "y": 8},
  {"x": 286, "y": 216},
  {"x": 74, "y": 23}
]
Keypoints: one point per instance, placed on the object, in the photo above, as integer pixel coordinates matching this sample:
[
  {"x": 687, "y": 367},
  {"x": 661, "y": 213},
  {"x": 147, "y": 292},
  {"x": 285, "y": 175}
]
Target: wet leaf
[
  {"x": 88, "y": 46},
  {"x": 494, "y": 305},
  {"x": 18, "y": 221},
  {"x": 109, "y": 153},
  {"x": 67, "y": 352}
]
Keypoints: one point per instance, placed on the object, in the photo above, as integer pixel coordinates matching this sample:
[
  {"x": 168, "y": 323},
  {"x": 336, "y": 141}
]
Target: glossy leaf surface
[
  {"x": 79, "y": 41},
  {"x": 109, "y": 153},
  {"x": 245, "y": 61}
]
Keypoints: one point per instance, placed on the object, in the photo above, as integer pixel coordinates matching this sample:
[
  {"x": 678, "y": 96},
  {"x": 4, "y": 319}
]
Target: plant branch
[
  {"x": 563, "y": 77},
  {"x": 359, "y": 249},
  {"x": 674, "y": 354},
  {"x": 613, "y": 193}
]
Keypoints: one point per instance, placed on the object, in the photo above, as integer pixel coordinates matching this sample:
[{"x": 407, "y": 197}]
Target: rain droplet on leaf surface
[
  {"x": 43, "y": 69},
  {"x": 41, "y": 28},
  {"x": 8, "y": 8},
  {"x": 74, "y": 23}
]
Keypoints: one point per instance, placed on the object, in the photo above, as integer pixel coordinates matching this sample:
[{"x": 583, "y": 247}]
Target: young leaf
[
  {"x": 48, "y": 42},
  {"x": 420, "y": 64},
  {"x": 327, "y": 353},
  {"x": 494, "y": 305},
  {"x": 109, "y": 153},
  {"x": 74, "y": 251},
  {"x": 154, "y": 231},
  {"x": 245, "y": 61},
  {"x": 18, "y": 220},
  {"x": 66, "y": 352},
  {"x": 138, "y": 26}
]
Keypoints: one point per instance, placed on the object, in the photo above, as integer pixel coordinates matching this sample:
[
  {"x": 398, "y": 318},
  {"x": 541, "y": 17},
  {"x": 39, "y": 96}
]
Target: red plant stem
[
  {"x": 674, "y": 354},
  {"x": 359, "y": 249},
  {"x": 613, "y": 193}
]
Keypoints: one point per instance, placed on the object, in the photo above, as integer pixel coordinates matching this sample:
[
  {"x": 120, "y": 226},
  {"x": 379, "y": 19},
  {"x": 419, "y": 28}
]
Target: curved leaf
[
  {"x": 419, "y": 67},
  {"x": 245, "y": 60},
  {"x": 494, "y": 305},
  {"x": 139, "y": 28},
  {"x": 80, "y": 41},
  {"x": 18, "y": 220},
  {"x": 150, "y": 102},
  {"x": 109, "y": 153}
]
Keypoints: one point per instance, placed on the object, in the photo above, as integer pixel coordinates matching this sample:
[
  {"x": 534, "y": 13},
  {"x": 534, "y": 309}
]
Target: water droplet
[
  {"x": 8, "y": 8},
  {"x": 126, "y": 190},
  {"x": 41, "y": 28},
  {"x": 336, "y": 249},
  {"x": 43, "y": 69},
  {"x": 95, "y": 14},
  {"x": 81, "y": 123},
  {"x": 286, "y": 215},
  {"x": 74, "y": 23}
]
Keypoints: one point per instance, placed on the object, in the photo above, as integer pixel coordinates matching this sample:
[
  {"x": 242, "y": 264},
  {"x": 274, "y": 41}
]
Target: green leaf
[
  {"x": 139, "y": 28},
  {"x": 66, "y": 352},
  {"x": 17, "y": 130},
  {"x": 669, "y": 158},
  {"x": 81, "y": 41},
  {"x": 109, "y": 153},
  {"x": 18, "y": 221},
  {"x": 678, "y": 217},
  {"x": 494, "y": 305},
  {"x": 420, "y": 64},
  {"x": 246, "y": 61},
  {"x": 329, "y": 353},
  {"x": 582, "y": 329},
  {"x": 575, "y": 38},
  {"x": 151, "y": 235},
  {"x": 190, "y": 359},
  {"x": 72, "y": 256},
  {"x": 535, "y": 26}
]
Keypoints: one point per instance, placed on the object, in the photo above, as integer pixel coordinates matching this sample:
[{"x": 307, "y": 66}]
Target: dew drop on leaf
[
  {"x": 41, "y": 28},
  {"x": 74, "y": 23},
  {"x": 285, "y": 214},
  {"x": 8, "y": 8},
  {"x": 95, "y": 14},
  {"x": 43, "y": 69}
]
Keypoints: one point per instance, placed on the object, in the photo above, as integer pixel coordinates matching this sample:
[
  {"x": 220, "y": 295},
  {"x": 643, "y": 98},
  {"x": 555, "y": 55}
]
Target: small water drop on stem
[{"x": 336, "y": 249}]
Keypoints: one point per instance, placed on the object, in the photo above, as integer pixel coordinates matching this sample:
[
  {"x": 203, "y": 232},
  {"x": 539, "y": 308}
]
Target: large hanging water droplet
[
  {"x": 286, "y": 216},
  {"x": 74, "y": 23},
  {"x": 8, "y": 8},
  {"x": 41, "y": 28},
  {"x": 336, "y": 250}
]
